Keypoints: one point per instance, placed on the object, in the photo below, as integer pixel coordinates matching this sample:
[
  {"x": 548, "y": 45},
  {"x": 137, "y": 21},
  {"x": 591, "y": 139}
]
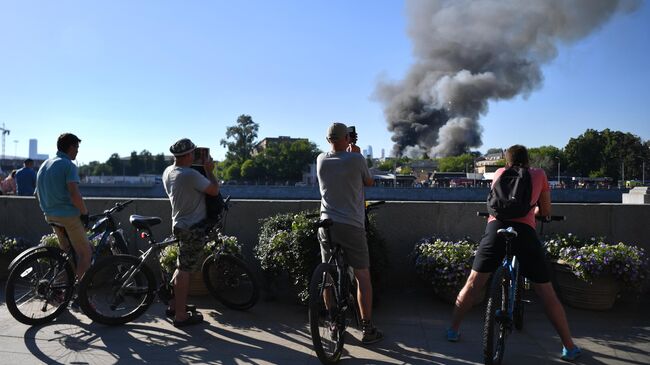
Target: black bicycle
[
  {"x": 122, "y": 287},
  {"x": 42, "y": 278},
  {"x": 505, "y": 306},
  {"x": 333, "y": 299}
]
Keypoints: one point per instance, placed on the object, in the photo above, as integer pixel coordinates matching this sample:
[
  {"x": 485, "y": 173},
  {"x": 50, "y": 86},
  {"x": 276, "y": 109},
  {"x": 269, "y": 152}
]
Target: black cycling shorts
[{"x": 526, "y": 246}]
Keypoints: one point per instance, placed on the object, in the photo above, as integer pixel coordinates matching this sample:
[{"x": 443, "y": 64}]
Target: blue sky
[{"x": 133, "y": 75}]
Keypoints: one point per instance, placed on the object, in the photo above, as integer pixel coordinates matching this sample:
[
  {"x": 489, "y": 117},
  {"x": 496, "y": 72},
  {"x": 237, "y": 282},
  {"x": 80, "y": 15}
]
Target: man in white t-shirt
[
  {"x": 186, "y": 188},
  {"x": 342, "y": 175}
]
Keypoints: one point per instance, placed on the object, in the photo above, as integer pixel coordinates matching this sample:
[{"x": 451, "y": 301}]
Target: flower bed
[
  {"x": 444, "y": 264},
  {"x": 590, "y": 273},
  {"x": 9, "y": 249}
]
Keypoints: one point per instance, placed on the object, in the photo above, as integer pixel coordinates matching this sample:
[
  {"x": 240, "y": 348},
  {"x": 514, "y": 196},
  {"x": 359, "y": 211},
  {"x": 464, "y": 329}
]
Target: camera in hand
[
  {"x": 201, "y": 154},
  {"x": 352, "y": 131}
]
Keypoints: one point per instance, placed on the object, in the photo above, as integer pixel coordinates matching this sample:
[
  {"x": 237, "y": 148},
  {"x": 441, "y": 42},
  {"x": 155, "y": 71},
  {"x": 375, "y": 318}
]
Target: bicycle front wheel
[
  {"x": 230, "y": 281},
  {"x": 39, "y": 288},
  {"x": 326, "y": 320},
  {"x": 113, "y": 292},
  {"x": 496, "y": 317}
]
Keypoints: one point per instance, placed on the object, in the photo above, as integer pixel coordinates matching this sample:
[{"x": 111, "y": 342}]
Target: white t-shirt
[
  {"x": 340, "y": 178},
  {"x": 185, "y": 188}
]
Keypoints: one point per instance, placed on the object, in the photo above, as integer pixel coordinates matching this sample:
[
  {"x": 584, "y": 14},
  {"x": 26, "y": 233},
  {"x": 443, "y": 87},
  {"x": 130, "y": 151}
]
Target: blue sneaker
[
  {"x": 452, "y": 336},
  {"x": 570, "y": 355}
]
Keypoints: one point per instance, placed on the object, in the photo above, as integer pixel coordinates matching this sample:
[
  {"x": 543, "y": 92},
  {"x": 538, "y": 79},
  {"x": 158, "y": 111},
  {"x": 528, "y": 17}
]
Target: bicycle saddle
[
  {"x": 325, "y": 223},
  {"x": 142, "y": 222},
  {"x": 507, "y": 232}
]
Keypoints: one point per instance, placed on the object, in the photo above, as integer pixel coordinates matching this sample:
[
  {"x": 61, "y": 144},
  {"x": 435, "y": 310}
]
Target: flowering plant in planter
[
  {"x": 627, "y": 264},
  {"x": 444, "y": 264}
]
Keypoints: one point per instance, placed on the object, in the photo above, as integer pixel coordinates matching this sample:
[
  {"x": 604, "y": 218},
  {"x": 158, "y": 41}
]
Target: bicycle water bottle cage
[
  {"x": 144, "y": 222},
  {"x": 325, "y": 223}
]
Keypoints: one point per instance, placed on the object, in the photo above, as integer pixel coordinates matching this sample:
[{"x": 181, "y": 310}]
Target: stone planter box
[{"x": 598, "y": 295}]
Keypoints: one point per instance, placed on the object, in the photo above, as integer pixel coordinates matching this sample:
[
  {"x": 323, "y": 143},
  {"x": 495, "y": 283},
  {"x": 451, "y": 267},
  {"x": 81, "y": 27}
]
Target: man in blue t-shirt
[
  {"x": 26, "y": 179},
  {"x": 57, "y": 191}
]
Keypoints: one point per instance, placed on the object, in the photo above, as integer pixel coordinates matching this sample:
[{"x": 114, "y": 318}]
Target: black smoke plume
[{"x": 468, "y": 52}]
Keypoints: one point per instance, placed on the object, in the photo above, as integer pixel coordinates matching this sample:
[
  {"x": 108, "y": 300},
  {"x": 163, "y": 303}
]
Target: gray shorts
[{"x": 353, "y": 241}]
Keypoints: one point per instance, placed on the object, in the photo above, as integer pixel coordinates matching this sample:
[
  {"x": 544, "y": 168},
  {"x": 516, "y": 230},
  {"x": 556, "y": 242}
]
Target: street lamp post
[{"x": 558, "y": 171}]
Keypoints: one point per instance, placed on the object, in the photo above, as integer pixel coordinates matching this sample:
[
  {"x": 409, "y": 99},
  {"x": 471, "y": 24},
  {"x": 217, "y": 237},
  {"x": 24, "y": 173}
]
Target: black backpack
[{"x": 510, "y": 194}]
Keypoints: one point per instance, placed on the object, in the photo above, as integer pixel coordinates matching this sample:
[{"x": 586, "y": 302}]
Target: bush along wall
[{"x": 288, "y": 244}]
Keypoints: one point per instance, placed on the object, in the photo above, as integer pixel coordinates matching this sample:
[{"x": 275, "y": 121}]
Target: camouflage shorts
[{"x": 190, "y": 249}]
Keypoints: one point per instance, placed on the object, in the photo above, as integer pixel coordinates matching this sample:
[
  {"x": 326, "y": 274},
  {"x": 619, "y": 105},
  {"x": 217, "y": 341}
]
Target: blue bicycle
[{"x": 505, "y": 306}]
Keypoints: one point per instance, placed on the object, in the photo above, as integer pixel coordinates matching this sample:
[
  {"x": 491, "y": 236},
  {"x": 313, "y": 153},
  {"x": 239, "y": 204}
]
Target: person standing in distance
[
  {"x": 342, "y": 175},
  {"x": 57, "y": 191},
  {"x": 186, "y": 189},
  {"x": 26, "y": 179}
]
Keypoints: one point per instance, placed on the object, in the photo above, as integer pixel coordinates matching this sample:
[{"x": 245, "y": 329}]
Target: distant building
[
  {"x": 368, "y": 152},
  {"x": 383, "y": 154},
  {"x": 263, "y": 144},
  {"x": 490, "y": 163},
  {"x": 33, "y": 151}
]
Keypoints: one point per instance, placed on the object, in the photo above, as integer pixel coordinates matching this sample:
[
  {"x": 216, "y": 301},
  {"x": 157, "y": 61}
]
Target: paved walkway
[{"x": 276, "y": 332}]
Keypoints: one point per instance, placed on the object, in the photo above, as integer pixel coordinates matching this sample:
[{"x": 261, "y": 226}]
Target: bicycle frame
[{"x": 510, "y": 265}]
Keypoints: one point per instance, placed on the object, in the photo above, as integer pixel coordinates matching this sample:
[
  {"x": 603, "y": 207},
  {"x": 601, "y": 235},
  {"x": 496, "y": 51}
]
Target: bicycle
[
  {"x": 122, "y": 287},
  {"x": 505, "y": 306},
  {"x": 42, "y": 278},
  {"x": 332, "y": 299}
]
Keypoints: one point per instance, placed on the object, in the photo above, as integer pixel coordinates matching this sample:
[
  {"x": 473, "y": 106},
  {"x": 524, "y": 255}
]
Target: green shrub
[
  {"x": 288, "y": 244},
  {"x": 12, "y": 246}
]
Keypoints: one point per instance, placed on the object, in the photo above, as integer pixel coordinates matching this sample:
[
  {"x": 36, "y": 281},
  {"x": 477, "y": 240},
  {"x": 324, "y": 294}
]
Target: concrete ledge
[{"x": 402, "y": 224}]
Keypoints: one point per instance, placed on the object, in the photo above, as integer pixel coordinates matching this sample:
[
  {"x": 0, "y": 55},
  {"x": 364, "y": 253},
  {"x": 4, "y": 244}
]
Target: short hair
[
  {"x": 28, "y": 161},
  {"x": 65, "y": 141},
  {"x": 517, "y": 155}
]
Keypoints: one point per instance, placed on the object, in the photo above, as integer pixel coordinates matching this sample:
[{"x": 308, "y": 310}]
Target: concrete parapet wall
[{"x": 400, "y": 223}]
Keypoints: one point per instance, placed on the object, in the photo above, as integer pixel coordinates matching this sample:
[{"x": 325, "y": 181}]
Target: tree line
[{"x": 605, "y": 153}]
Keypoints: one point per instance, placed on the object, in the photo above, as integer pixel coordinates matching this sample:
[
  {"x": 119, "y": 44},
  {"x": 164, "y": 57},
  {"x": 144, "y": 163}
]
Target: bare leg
[
  {"x": 181, "y": 290},
  {"x": 555, "y": 312},
  {"x": 364, "y": 292},
  {"x": 465, "y": 299}
]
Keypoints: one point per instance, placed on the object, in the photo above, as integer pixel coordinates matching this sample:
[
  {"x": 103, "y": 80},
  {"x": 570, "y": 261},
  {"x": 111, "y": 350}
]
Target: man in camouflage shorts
[
  {"x": 190, "y": 248},
  {"x": 187, "y": 189}
]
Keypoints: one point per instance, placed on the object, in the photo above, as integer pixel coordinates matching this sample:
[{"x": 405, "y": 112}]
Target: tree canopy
[{"x": 243, "y": 136}]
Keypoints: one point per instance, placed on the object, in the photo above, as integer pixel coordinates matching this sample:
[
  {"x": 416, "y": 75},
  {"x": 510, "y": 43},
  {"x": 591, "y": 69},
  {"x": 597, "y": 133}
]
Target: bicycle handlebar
[{"x": 556, "y": 218}]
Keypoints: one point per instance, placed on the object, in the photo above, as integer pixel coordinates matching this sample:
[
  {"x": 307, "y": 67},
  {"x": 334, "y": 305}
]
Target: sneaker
[
  {"x": 570, "y": 355},
  {"x": 452, "y": 336},
  {"x": 370, "y": 333}
]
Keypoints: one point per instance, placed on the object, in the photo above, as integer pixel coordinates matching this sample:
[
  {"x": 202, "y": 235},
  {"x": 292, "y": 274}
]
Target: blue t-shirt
[
  {"x": 25, "y": 181},
  {"x": 52, "y": 186}
]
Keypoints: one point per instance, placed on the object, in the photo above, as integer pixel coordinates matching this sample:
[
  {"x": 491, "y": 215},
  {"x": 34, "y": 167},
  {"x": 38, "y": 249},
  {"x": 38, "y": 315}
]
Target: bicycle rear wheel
[
  {"x": 39, "y": 288},
  {"x": 326, "y": 321},
  {"x": 495, "y": 325},
  {"x": 108, "y": 296},
  {"x": 230, "y": 281},
  {"x": 518, "y": 311}
]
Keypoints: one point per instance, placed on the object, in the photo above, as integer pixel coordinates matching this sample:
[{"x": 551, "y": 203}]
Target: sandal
[
  {"x": 193, "y": 318},
  {"x": 172, "y": 312}
]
